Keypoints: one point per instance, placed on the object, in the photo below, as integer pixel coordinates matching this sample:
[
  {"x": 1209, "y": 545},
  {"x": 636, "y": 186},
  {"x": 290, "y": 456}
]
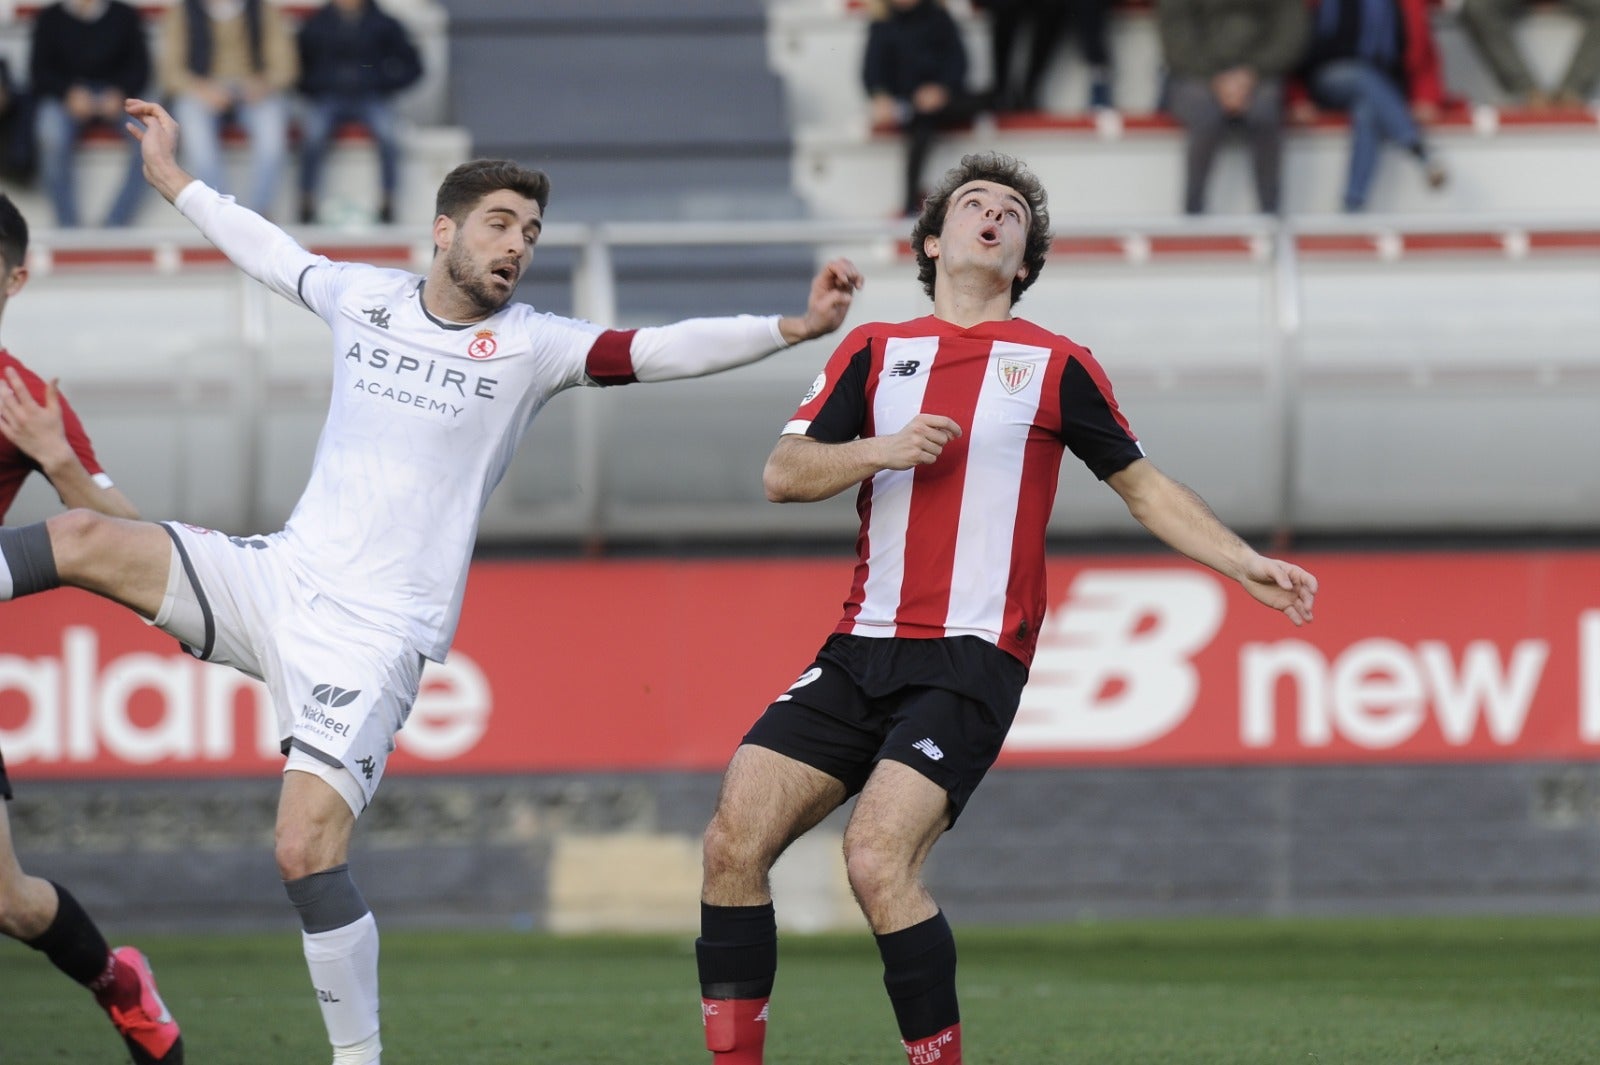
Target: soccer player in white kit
[
  {"x": 435, "y": 380},
  {"x": 952, "y": 427}
]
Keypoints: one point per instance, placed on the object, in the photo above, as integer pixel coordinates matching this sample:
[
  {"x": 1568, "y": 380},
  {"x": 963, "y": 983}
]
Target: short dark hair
[
  {"x": 13, "y": 233},
  {"x": 468, "y": 183},
  {"x": 1002, "y": 170}
]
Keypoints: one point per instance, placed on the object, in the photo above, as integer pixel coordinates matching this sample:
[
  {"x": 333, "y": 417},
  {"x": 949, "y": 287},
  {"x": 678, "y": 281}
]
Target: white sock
[{"x": 344, "y": 970}]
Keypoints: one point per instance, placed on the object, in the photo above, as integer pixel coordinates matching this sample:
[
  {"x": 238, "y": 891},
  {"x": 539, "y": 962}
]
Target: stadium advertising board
[{"x": 635, "y": 665}]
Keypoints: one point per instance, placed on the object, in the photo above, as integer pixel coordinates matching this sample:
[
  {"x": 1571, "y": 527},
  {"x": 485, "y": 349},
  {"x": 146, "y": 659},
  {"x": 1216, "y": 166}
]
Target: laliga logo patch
[
  {"x": 816, "y": 388},
  {"x": 484, "y": 345},
  {"x": 1014, "y": 375}
]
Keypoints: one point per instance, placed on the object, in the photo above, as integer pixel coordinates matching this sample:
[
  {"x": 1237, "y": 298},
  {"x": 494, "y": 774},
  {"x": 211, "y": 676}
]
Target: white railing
[{"x": 1290, "y": 271}]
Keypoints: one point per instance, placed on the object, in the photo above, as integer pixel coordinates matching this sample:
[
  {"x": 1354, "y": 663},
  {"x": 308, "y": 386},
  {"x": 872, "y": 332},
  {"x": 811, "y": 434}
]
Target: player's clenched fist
[{"x": 919, "y": 443}]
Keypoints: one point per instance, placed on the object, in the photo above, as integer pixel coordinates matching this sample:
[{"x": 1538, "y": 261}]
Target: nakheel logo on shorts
[
  {"x": 328, "y": 695},
  {"x": 332, "y": 697}
]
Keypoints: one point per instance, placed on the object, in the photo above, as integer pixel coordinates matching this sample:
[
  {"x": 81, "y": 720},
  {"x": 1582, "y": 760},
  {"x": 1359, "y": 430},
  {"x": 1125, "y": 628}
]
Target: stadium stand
[
  {"x": 431, "y": 145},
  {"x": 1397, "y": 320}
]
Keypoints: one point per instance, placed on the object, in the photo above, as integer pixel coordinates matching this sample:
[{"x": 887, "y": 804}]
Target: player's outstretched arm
[
  {"x": 39, "y": 431},
  {"x": 157, "y": 134},
  {"x": 695, "y": 347},
  {"x": 803, "y": 470},
  {"x": 1181, "y": 520}
]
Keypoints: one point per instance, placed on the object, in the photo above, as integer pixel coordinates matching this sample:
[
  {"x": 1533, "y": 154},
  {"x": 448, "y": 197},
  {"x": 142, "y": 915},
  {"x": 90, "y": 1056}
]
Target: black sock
[
  {"x": 72, "y": 942},
  {"x": 737, "y": 951},
  {"x": 919, "y": 972}
]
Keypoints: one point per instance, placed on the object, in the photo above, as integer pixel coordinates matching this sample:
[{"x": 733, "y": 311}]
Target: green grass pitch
[{"x": 1495, "y": 991}]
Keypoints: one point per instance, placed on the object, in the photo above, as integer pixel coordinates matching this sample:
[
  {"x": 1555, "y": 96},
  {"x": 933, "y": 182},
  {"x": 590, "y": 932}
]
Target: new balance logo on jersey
[
  {"x": 929, "y": 748},
  {"x": 255, "y": 545},
  {"x": 378, "y": 316},
  {"x": 368, "y": 766},
  {"x": 905, "y": 368}
]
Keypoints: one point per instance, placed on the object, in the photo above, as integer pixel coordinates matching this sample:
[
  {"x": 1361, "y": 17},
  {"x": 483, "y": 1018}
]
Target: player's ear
[
  {"x": 930, "y": 245},
  {"x": 444, "y": 231},
  {"x": 16, "y": 277}
]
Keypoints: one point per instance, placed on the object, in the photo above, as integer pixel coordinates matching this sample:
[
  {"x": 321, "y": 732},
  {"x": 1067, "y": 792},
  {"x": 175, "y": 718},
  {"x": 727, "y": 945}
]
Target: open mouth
[
  {"x": 989, "y": 235},
  {"x": 505, "y": 272}
]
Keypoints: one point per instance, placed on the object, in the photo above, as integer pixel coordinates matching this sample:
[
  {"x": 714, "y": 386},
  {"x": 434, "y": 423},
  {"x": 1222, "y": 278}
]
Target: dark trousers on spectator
[{"x": 1194, "y": 104}]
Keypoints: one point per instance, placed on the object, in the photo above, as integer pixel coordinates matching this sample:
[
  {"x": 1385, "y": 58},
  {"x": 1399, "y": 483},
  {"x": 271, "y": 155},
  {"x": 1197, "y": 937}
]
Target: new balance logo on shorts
[{"x": 929, "y": 748}]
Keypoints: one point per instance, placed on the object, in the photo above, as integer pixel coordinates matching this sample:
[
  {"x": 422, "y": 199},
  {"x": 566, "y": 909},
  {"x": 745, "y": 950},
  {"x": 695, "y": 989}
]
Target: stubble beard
[{"x": 472, "y": 287}]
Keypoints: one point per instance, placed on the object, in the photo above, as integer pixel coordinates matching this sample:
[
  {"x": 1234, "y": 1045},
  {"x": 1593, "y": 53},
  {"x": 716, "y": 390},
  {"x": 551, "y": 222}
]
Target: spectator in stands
[
  {"x": 1376, "y": 60},
  {"x": 916, "y": 78},
  {"x": 17, "y": 155},
  {"x": 223, "y": 60},
  {"x": 1489, "y": 24},
  {"x": 85, "y": 59},
  {"x": 39, "y": 432},
  {"x": 354, "y": 58},
  {"x": 1226, "y": 63},
  {"x": 1046, "y": 20}
]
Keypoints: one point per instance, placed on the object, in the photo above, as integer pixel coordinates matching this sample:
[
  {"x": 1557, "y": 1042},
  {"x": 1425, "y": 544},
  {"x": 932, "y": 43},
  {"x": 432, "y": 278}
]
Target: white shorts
[{"x": 341, "y": 686}]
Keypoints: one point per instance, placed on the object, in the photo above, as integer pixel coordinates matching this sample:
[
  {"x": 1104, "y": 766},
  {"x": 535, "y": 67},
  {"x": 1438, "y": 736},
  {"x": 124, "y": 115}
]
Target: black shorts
[
  {"x": 942, "y": 707},
  {"x": 5, "y": 784}
]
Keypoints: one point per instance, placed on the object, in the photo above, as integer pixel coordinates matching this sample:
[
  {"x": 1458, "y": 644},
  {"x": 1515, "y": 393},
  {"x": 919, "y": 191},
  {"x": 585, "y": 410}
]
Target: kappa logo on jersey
[
  {"x": 483, "y": 344},
  {"x": 905, "y": 368},
  {"x": 816, "y": 388},
  {"x": 368, "y": 766},
  {"x": 378, "y": 316},
  {"x": 805, "y": 678},
  {"x": 1014, "y": 375},
  {"x": 929, "y": 748}
]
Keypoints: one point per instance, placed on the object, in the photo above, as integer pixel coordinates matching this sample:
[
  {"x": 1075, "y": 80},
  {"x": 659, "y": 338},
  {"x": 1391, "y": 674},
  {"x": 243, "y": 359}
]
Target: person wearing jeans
[
  {"x": 230, "y": 59},
  {"x": 1376, "y": 61},
  {"x": 85, "y": 58}
]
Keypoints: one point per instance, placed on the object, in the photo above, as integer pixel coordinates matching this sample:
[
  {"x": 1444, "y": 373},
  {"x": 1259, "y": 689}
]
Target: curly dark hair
[
  {"x": 468, "y": 183},
  {"x": 1002, "y": 170}
]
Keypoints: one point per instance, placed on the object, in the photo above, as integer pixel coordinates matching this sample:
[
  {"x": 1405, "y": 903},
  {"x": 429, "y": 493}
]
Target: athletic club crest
[
  {"x": 483, "y": 344},
  {"x": 1014, "y": 374}
]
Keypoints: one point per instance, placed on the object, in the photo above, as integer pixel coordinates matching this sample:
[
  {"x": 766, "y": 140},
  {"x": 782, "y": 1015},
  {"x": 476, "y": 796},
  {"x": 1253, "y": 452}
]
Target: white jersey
[{"x": 426, "y": 414}]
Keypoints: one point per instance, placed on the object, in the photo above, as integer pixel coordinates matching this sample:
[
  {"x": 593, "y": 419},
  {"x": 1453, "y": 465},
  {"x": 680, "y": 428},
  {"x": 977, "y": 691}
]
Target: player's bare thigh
[
  {"x": 126, "y": 561},
  {"x": 314, "y": 826},
  {"x": 768, "y": 800},
  {"x": 901, "y": 814},
  {"x": 899, "y": 817}
]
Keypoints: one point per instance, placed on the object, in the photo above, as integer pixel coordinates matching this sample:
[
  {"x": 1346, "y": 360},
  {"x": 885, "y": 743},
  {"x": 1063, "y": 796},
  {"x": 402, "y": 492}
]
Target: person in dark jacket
[
  {"x": 915, "y": 75},
  {"x": 354, "y": 58},
  {"x": 86, "y": 58},
  {"x": 1226, "y": 63},
  {"x": 1376, "y": 60}
]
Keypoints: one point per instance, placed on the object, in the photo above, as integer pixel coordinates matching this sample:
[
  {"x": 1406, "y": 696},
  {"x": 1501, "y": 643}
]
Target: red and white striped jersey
[{"x": 956, "y": 547}]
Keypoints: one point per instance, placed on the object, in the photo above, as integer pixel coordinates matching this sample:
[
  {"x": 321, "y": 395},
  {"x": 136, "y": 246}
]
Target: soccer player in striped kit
[{"x": 953, "y": 427}]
